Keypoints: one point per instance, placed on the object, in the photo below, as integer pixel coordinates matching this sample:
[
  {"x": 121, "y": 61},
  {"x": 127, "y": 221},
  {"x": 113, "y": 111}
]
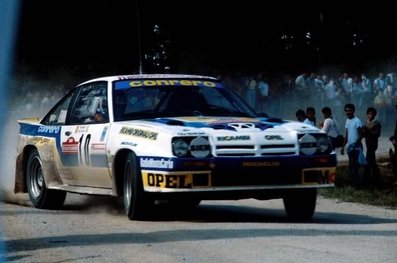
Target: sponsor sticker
[
  {"x": 176, "y": 180},
  {"x": 139, "y": 133},
  {"x": 49, "y": 129},
  {"x": 157, "y": 163},
  {"x": 273, "y": 137},
  {"x": 129, "y": 143},
  {"x": 98, "y": 148},
  {"x": 166, "y": 82},
  {"x": 233, "y": 138},
  {"x": 199, "y": 147},
  {"x": 261, "y": 164},
  {"x": 80, "y": 129},
  {"x": 70, "y": 146}
]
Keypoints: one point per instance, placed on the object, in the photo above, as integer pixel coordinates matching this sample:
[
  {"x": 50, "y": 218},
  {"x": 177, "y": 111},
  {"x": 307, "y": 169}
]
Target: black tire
[
  {"x": 135, "y": 203},
  {"x": 300, "y": 204},
  {"x": 40, "y": 196}
]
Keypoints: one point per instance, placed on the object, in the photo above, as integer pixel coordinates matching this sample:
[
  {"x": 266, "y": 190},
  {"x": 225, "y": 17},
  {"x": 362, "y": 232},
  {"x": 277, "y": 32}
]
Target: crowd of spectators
[{"x": 284, "y": 94}]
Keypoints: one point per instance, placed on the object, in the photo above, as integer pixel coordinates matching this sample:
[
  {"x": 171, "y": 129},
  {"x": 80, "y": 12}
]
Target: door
[{"x": 83, "y": 141}]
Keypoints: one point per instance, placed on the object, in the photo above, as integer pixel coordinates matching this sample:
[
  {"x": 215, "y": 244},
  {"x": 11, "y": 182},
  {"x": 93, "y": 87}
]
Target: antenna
[{"x": 139, "y": 38}]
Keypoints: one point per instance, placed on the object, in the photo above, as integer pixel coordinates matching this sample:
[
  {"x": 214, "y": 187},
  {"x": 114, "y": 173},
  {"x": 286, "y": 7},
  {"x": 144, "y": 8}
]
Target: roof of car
[{"x": 150, "y": 76}]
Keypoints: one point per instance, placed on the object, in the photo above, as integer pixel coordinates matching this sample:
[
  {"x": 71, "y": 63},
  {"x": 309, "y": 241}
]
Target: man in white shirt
[
  {"x": 329, "y": 125},
  {"x": 353, "y": 144}
]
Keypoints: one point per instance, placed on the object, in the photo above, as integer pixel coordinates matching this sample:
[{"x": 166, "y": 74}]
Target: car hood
[{"x": 237, "y": 124}]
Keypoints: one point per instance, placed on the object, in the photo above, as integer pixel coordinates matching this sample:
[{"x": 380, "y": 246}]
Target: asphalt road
[{"x": 95, "y": 229}]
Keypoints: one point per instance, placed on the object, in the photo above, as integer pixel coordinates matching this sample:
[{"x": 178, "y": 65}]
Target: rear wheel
[
  {"x": 135, "y": 204},
  {"x": 39, "y": 194},
  {"x": 300, "y": 204}
]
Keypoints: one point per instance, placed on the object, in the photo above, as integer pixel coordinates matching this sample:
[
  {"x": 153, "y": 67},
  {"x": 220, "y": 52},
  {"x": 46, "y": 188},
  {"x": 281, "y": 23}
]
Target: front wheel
[
  {"x": 300, "y": 204},
  {"x": 135, "y": 204},
  {"x": 39, "y": 194}
]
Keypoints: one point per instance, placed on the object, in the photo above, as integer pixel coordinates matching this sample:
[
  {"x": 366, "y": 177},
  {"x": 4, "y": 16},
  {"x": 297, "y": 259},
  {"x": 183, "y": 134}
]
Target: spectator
[
  {"x": 367, "y": 87},
  {"x": 301, "y": 87},
  {"x": 379, "y": 83},
  {"x": 263, "y": 88},
  {"x": 300, "y": 115},
  {"x": 371, "y": 133},
  {"x": 329, "y": 126},
  {"x": 353, "y": 144},
  {"x": 310, "y": 116},
  {"x": 393, "y": 154},
  {"x": 250, "y": 92},
  {"x": 380, "y": 102}
]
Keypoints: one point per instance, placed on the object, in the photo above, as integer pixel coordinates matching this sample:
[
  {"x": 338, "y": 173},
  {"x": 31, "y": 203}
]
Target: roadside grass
[{"x": 384, "y": 193}]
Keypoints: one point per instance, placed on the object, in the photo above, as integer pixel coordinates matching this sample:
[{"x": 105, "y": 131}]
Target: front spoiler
[{"x": 235, "y": 188}]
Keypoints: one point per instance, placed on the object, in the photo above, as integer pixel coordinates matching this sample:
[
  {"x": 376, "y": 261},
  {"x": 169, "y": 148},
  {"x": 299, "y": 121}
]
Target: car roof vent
[
  {"x": 263, "y": 126},
  {"x": 222, "y": 127},
  {"x": 175, "y": 123}
]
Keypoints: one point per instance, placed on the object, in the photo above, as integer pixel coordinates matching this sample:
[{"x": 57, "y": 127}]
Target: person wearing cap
[{"x": 371, "y": 132}]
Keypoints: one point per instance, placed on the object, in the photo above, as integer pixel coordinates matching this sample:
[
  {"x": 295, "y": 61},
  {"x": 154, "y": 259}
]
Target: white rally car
[{"x": 178, "y": 138}]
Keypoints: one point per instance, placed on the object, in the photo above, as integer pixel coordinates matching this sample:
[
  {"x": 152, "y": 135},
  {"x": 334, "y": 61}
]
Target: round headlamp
[
  {"x": 180, "y": 148},
  {"x": 308, "y": 144},
  {"x": 199, "y": 147}
]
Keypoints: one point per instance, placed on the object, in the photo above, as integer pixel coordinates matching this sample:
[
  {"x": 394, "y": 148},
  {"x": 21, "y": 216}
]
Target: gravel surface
[{"x": 94, "y": 229}]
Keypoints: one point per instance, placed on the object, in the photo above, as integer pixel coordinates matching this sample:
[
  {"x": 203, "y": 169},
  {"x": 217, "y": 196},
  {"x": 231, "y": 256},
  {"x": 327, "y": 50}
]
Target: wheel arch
[
  {"x": 118, "y": 170},
  {"x": 20, "y": 169}
]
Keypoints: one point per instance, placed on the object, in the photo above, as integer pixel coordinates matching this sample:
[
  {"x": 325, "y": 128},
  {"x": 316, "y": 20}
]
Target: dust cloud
[
  {"x": 31, "y": 98},
  {"x": 26, "y": 99}
]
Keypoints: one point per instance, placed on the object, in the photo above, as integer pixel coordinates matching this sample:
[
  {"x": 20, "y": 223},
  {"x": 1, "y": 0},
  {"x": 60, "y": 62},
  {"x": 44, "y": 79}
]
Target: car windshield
[{"x": 142, "y": 99}]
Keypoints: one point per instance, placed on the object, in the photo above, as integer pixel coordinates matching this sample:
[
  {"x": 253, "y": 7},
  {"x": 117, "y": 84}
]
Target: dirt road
[{"x": 94, "y": 229}]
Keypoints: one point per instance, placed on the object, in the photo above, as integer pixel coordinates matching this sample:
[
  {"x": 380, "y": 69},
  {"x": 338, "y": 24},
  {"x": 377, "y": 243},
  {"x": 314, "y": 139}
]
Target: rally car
[{"x": 178, "y": 138}]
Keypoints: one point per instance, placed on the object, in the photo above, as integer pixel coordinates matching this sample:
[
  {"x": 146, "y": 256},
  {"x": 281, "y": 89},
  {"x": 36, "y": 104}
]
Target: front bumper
[{"x": 241, "y": 174}]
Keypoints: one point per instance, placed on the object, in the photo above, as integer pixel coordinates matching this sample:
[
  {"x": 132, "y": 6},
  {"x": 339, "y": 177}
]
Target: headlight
[
  {"x": 310, "y": 144},
  {"x": 180, "y": 148},
  {"x": 198, "y": 147}
]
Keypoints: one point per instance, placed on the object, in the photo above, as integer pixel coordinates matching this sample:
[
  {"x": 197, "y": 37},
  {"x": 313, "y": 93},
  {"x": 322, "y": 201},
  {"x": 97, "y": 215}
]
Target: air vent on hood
[{"x": 175, "y": 123}]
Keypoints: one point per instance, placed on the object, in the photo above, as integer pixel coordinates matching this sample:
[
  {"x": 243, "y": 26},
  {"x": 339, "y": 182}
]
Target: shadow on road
[
  {"x": 206, "y": 212},
  {"x": 32, "y": 244}
]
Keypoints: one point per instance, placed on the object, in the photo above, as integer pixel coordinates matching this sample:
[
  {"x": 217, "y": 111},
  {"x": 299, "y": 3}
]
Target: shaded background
[{"x": 89, "y": 38}]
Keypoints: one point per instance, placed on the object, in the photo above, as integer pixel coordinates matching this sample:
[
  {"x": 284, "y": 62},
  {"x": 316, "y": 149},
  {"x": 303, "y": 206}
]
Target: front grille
[
  {"x": 278, "y": 153},
  {"x": 253, "y": 150},
  {"x": 221, "y": 147},
  {"x": 235, "y": 154},
  {"x": 275, "y": 146}
]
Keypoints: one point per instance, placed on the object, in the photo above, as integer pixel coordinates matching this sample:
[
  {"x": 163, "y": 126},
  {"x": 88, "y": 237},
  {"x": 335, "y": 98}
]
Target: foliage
[
  {"x": 376, "y": 197},
  {"x": 384, "y": 193}
]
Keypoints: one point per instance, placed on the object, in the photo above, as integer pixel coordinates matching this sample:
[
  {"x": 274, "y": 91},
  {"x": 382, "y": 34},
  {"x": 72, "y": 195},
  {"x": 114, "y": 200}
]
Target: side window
[
  {"x": 91, "y": 105},
  {"x": 57, "y": 116}
]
